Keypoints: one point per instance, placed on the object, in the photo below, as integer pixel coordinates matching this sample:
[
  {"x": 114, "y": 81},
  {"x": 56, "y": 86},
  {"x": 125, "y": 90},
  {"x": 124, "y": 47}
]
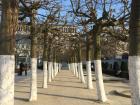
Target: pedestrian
[
  {"x": 21, "y": 68},
  {"x": 25, "y": 68}
]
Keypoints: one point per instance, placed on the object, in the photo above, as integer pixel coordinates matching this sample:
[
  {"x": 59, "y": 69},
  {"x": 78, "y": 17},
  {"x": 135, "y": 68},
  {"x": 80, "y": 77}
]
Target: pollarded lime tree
[
  {"x": 8, "y": 27},
  {"x": 134, "y": 52},
  {"x": 29, "y": 11},
  {"x": 48, "y": 31},
  {"x": 100, "y": 14}
]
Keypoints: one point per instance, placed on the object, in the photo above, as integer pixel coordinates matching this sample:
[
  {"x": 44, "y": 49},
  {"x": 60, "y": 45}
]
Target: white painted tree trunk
[
  {"x": 49, "y": 72},
  {"x": 76, "y": 72},
  {"x": 99, "y": 81},
  {"x": 71, "y": 66},
  {"x": 56, "y": 68},
  {"x": 59, "y": 66},
  {"x": 7, "y": 70},
  {"x": 81, "y": 72},
  {"x": 52, "y": 70},
  {"x": 33, "y": 87},
  {"x": 89, "y": 75},
  {"x": 74, "y": 69},
  {"x": 54, "y": 65},
  {"x": 134, "y": 77},
  {"x": 45, "y": 74}
]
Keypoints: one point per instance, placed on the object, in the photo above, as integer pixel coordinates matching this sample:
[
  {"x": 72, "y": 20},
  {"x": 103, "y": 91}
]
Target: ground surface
[{"x": 66, "y": 89}]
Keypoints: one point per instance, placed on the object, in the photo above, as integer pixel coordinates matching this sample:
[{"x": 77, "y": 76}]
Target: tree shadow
[
  {"x": 73, "y": 97},
  {"x": 112, "y": 81},
  {"x": 67, "y": 86},
  {"x": 119, "y": 86},
  {"x": 67, "y": 77},
  {"x": 67, "y": 81},
  {"x": 21, "y": 99},
  {"x": 122, "y": 94},
  {"x": 21, "y": 91},
  {"x": 109, "y": 80},
  {"x": 17, "y": 85},
  {"x": 57, "y": 95}
]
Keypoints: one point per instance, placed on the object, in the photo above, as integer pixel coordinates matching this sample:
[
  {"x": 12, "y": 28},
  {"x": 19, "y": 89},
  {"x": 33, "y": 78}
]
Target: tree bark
[
  {"x": 72, "y": 64},
  {"x": 8, "y": 27},
  {"x": 134, "y": 52},
  {"x": 49, "y": 63},
  {"x": 76, "y": 71},
  {"x": 98, "y": 67},
  {"x": 88, "y": 64},
  {"x": 80, "y": 66},
  {"x": 45, "y": 62},
  {"x": 54, "y": 60},
  {"x": 33, "y": 88}
]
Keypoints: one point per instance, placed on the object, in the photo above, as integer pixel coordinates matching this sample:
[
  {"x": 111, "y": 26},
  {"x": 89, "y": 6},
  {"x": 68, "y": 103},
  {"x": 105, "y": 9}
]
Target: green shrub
[
  {"x": 116, "y": 66},
  {"x": 124, "y": 66}
]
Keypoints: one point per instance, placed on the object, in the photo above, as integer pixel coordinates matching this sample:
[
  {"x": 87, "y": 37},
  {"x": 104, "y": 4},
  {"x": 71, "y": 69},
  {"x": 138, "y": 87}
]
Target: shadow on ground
[
  {"x": 67, "y": 86},
  {"x": 55, "y": 95},
  {"x": 122, "y": 94}
]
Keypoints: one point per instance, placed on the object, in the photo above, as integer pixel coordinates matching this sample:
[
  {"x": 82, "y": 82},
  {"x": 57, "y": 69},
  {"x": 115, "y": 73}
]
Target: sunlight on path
[{"x": 65, "y": 89}]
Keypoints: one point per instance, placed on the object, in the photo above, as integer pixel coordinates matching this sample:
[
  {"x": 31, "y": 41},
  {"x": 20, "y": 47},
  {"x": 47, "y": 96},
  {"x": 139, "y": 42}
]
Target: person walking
[{"x": 21, "y": 68}]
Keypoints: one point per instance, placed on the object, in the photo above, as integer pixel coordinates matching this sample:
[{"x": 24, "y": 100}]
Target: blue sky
[{"x": 65, "y": 7}]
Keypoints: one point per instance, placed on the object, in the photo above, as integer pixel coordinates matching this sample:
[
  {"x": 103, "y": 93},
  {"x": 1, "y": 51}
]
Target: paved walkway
[{"x": 66, "y": 89}]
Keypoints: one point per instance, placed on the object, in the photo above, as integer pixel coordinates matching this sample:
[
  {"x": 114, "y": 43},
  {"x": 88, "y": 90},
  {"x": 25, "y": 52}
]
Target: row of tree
[{"x": 104, "y": 17}]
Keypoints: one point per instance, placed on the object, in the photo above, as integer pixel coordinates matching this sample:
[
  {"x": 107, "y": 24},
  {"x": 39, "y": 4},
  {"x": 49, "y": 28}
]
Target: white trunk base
[
  {"x": 76, "y": 72},
  {"x": 59, "y": 67},
  {"x": 52, "y": 70},
  {"x": 73, "y": 68},
  {"x": 81, "y": 72},
  {"x": 33, "y": 88},
  {"x": 134, "y": 75},
  {"x": 99, "y": 81},
  {"x": 49, "y": 71},
  {"x": 7, "y": 70},
  {"x": 89, "y": 75},
  {"x": 54, "y": 67},
  {"x": 69, "y": 66},
  {"x": 45, "y": 74}
]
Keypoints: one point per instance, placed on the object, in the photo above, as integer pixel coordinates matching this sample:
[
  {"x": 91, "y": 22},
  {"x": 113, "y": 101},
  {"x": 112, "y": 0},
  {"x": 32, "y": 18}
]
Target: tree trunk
[
  {"x": 56, "y": 68},
  {"x": 98, "y": 68},
  {"x": 8, "y": 27},
  {"x": 76, "y": 71},
  {"x": 33, "y": 88},
  {"x": 88, "y": 64},
  {"x": 80, "y": 66},
  {"x": 45, "y": 63},
  {"x": 49, "y": 63},
  {"x": 45, "y": 67},
  {"x": 52, "y": 70},
  {"x": 54, "y": 61},
  {"x": 134, "y": 52},
  {"x": 49, "y": 71},
  {"x": 73, "y": 65},
  {"x": 59, "y": 66}
]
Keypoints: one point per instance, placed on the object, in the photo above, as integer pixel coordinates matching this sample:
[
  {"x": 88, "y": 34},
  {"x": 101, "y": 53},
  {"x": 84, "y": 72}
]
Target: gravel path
[{"x": 66, "y": 89}]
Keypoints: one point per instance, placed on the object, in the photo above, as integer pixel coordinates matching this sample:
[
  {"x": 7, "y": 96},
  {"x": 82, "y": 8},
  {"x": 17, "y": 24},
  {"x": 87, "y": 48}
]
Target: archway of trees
[{"x": 95, "y": 30}]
